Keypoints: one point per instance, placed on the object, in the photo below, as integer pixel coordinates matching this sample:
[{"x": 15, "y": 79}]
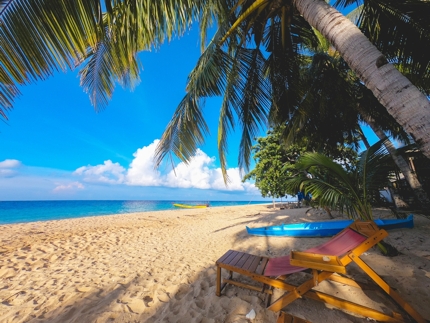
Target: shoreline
[
  {"x": 79, "y": 215},
  {"x": 159, "y": 266}
]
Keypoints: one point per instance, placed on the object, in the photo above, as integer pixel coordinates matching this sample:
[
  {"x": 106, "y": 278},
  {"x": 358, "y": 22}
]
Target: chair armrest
[{"x": 316, "y": 261}]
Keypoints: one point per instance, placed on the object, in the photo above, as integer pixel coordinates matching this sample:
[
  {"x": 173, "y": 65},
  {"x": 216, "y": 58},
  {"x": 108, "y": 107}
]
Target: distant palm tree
[{"x": 332, "y": 186}]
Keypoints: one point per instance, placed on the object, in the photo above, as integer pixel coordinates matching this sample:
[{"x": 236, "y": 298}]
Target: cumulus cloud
[
  {"x": 200, "y": 172},
  {"x": 8, "y": 167},
  {"x": 68, "y": 187},
  {"x": 10, "y": 163},
  {"x": 142, "y": 170},
  {"x": 196, "y": 174},
  {"x": 111, "y": 173}
]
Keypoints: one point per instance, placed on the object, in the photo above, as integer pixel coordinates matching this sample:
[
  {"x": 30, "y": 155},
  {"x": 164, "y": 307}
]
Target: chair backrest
[{"x": 339, "y": 245}]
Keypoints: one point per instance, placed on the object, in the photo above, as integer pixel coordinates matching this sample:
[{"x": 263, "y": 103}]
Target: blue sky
[{"x": 55, "y": 146}]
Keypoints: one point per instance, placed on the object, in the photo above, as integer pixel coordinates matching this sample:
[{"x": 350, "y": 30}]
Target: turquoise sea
[{"x": 30, "y": 211}]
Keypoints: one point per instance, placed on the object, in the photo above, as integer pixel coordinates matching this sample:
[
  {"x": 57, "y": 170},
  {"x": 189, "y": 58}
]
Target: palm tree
[
  {"x": 105, "y": 37},
  {"x": 334, "y": 104},
  {"x": 282, "y": 91},
  {"x": 373, "y": 68},
  {"x": 410, "y": 176},
  {"x": 333, "y": 187}
]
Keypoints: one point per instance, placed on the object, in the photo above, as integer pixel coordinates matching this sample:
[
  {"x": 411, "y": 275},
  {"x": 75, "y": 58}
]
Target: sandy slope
[{"x": 159, "y": 267}]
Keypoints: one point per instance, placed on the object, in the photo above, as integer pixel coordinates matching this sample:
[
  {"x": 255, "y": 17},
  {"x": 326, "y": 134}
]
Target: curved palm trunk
[
  {"x": 409, "y": 107},
  {"x": 410, "y": 176}
]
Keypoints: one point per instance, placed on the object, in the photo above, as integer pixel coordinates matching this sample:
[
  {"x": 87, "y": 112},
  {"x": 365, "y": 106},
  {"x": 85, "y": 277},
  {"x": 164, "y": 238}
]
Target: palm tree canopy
[
  {"x": 102, "y": 37},
  {"x": 252, "y": 24},
  {"x": 402, "y": 42},
  {"x": 253, "y": 61},
  {"x": 258, "y": 42}
]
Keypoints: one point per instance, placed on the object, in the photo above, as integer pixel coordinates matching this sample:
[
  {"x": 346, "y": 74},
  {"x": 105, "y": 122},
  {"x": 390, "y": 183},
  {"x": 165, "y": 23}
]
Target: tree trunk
[
  {"x": 397, "y": 200},
  {"x": 402, "y": 164},
  {"x": 409, "y": 107}
]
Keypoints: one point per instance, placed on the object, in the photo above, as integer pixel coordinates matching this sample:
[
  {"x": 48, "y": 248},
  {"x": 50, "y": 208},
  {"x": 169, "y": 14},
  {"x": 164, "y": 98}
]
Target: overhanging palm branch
[
  {"x": 38, "y": 38},
  {"x": 187, "y": 128},
  {"x": 106, "y": 64},
  {"x": 257, "y": 78}
]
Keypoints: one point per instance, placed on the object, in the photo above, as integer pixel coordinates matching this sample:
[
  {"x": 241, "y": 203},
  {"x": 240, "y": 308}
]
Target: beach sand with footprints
[{"x": 160, "y": 267}]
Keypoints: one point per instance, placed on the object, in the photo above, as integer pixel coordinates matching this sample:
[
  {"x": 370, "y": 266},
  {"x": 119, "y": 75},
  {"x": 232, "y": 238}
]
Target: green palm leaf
[
  {"x": 39, "y": 37},
  {"x": 187, "y": 128},
  {"x": 331, "y": 185}
]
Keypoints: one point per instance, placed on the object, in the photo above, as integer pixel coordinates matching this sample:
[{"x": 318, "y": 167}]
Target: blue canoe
[{"x": 324, "y": 228}]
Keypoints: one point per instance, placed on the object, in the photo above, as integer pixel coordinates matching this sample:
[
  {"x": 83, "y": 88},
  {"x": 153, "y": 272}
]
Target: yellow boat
[{"x": 187, "y": 206}]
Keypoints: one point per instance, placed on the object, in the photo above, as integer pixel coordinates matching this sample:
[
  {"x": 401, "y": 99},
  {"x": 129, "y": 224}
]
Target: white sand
[{"x": 160, "y": 267}]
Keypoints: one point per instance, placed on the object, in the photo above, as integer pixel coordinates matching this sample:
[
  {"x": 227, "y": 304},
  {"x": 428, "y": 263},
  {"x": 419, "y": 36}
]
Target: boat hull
[
  {"x": 324, "y": 228},
  {"x": 186, "y": 206}
]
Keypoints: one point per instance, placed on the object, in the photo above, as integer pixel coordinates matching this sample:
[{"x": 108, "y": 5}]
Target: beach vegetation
[
  {"x": 270, "y": 155},
  {"x": 351, "y": 190},
  {"x": 274, "y": 160}
]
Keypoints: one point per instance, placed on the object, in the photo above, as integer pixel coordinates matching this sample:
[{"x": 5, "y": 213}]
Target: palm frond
[
  {"x": 331, "y": 185},
  {"x": 255, "y": 102},
  {"x": 185, "y": 131},
  {"x": 188, "y": 128},
  {"x": 227, "y": 116},
  {"x": 400, "y": 30},
  {"x": 374, "y": 167},
  {"x": 40, "y": 37},
  {"x": 103, "y": 67}
]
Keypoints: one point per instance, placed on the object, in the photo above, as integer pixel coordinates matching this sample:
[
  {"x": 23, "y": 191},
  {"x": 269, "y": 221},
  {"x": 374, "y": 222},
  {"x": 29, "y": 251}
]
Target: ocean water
[{"x": 31, "y": 211}]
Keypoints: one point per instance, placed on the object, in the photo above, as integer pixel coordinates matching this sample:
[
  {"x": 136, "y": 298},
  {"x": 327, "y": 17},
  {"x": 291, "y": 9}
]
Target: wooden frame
[{"x": 323, "y": 267}]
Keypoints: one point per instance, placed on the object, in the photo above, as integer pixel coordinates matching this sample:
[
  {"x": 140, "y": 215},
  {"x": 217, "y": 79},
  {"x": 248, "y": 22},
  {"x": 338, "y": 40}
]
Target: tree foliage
[
  {"x": 275, "y": 161},
  {"x": 253, "y": 58},
  {"x": 350, "y": 191},
  {"x": 270, "y": 156}
]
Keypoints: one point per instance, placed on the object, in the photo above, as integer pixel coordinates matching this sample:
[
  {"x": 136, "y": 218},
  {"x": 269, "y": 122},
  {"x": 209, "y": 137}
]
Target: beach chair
[{"x": 325, "y": 262}]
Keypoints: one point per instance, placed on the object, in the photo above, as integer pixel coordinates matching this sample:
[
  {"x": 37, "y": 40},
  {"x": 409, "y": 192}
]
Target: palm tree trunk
[
  {"x": 402, "y": 164},
  {"x": 409, "y": 107},
  {"x": 397, "y": 200}
]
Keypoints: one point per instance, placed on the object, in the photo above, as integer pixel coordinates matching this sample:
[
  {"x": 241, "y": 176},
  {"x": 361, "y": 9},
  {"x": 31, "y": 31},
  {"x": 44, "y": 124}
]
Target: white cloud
[
  {"x": 10, "y": 163},
  {"x": 142, "y": 170},
  {"x": 111, "y": 173},
  {"x": 68, "y": 187},
  {"x": 7, "y": 167},
  {"x": 199, "y": 173}
]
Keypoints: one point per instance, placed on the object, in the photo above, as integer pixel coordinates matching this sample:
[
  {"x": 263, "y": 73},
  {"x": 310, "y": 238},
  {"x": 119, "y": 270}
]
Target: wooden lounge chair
[{"x": 326, "y": 262}]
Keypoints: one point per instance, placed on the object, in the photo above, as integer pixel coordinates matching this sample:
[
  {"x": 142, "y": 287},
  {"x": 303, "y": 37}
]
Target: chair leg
[
  {"x": 268, "y": 295},
  {"x": 299, "y": 291},
  {"x": 288, "y": 318},
  {"x": 218, "y": 281},
  {"x": 390, "y": 291}
]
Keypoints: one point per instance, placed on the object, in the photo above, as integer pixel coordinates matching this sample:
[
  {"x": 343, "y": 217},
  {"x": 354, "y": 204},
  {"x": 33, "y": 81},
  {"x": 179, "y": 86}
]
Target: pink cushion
[{"x": 337, "y": 246}]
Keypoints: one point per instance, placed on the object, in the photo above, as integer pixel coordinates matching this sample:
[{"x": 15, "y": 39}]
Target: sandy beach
[{"x": 160, "y": 267}]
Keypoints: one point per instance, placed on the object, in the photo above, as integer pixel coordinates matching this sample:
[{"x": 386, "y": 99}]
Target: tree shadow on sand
[{"x": 186, "y": 294}]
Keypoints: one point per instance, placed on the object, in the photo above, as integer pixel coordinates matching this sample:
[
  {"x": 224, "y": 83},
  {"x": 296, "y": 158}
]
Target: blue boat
[{"x": 324, "y": 228}]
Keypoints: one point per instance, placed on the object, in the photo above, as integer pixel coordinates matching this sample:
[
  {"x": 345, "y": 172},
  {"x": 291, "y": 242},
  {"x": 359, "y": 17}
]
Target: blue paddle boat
[{"x": 324, "y": 228}]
